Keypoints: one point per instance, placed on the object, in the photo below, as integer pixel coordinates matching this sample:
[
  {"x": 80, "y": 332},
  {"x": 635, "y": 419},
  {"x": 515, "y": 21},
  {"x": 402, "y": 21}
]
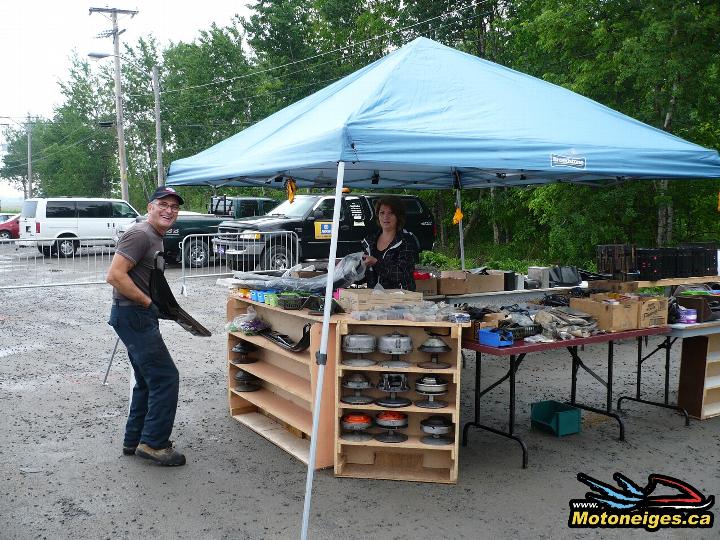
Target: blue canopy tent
[
  {"x": 418, "y": 115},
  {"x": 427, "y": 116}
]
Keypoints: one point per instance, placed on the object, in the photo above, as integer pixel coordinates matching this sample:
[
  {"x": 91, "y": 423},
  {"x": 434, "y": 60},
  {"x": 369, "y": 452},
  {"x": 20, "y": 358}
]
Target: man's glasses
[{"x": 165, "y": 206}]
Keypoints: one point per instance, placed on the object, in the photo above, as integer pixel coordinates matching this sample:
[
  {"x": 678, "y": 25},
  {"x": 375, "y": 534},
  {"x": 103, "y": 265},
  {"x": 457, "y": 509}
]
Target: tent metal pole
[
  {"x": 322, "y": 354},
  {"x": 460, "y": 231}
]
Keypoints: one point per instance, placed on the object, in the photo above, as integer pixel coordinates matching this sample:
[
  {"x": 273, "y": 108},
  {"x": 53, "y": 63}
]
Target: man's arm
[{"x": 119, "y": 278}]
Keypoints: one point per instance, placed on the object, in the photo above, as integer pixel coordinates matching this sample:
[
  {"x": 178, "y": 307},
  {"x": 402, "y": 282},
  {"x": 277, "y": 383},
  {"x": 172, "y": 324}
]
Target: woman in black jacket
[{"x": 391, "y": 252}]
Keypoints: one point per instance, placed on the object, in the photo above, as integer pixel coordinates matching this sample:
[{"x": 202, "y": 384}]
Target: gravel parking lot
[{"x": 64, "y": 476}]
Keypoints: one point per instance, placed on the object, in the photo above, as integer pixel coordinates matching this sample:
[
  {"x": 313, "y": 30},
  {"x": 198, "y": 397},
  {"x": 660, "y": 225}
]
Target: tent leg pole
[
  {"x": 322, "y": 354},
  {"x": 460, "y": 231}
]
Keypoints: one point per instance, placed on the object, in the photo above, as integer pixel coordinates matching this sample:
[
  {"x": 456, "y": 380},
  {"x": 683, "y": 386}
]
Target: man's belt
[{"x": 125, "y": 303}]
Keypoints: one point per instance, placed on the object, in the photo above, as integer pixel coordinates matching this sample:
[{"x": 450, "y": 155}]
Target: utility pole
[
  {"x": 158, "y": 132},
  {"x": 28, "y": 128},
  {"x": 115, "y": 33}
]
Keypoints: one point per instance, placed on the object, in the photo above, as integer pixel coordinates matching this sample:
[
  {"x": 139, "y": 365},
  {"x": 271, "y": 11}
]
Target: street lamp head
[{"x": 99, "y": 55}]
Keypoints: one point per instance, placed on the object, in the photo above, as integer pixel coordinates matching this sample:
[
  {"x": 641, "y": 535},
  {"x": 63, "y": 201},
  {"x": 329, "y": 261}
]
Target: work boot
[
  {"x": 168, "y": 456},
  {"x": 129, "y": 450}
]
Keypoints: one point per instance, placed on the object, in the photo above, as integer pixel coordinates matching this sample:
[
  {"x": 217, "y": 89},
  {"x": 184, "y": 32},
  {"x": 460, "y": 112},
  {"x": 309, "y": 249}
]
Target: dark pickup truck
[
  {"x": 220, "y": 209},
  {"x": 307, "y": 222}
]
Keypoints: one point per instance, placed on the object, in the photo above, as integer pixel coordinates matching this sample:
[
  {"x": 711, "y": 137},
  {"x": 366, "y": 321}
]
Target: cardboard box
[
  {"x": 427, "y": 286},
  {"x": 699, "y": 304},
  {"x": 459, "y": 282},
  {"x": 365, "y": 299},
  {"x": 610, "y": 317},
  {"x": 470, "y": 333},
  {"x": 652, "y": 310},
  {"x": 495, "y": 317},
  {"x": 306, "y": 273}
]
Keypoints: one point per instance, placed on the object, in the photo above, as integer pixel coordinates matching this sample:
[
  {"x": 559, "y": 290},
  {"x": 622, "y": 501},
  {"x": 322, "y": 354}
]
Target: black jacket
[{"x": 395, "y": 266}]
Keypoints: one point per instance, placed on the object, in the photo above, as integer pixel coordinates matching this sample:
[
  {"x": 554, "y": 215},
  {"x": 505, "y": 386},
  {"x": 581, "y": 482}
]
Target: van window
[
  {"x": 60, "y": 209},
  {"x": 122, "y": 210},
  {"x": 28, "y": 209},
  {"x": 93, "y": 209}
]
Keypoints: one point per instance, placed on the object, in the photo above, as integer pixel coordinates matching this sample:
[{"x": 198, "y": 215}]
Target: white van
[{"x": 60, "y": 225}]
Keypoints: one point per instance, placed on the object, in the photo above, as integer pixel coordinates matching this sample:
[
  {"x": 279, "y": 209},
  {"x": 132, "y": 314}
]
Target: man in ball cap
[{"x": 135, "y": 320}]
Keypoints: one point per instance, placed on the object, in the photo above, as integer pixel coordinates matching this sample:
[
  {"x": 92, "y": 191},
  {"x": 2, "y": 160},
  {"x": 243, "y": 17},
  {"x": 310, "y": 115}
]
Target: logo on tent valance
[{"x": 567, "y": 161}]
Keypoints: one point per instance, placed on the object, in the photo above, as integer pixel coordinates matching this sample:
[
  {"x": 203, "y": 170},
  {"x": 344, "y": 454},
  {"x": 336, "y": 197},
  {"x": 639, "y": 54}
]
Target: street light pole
[
  {"x": 118, "y": 95},
  {"x": 158, "y": 132},
  {"x": 119, "y": 114},
  {"x": 29, "y": 158}
]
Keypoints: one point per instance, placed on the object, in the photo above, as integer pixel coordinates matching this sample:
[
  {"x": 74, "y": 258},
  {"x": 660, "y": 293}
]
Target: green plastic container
[{"x": 555, "y": 417}]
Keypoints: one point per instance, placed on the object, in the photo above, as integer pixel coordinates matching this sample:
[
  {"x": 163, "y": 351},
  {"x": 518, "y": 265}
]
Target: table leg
[
  {"x": 577, "y": 364},
  {"x": 667, "y": 369},
  {"x": 666, "y": 344},
  {"x": 514, "y": 365}
]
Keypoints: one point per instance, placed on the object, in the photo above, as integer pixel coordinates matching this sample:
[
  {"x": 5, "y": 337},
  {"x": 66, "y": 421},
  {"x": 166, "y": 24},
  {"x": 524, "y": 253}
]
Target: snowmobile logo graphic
[{"x": 663, "y": 502}]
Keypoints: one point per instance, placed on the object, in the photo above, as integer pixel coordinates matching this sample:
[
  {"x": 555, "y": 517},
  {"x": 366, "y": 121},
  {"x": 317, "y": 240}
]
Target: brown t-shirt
[{"x": 139, "y": 245}]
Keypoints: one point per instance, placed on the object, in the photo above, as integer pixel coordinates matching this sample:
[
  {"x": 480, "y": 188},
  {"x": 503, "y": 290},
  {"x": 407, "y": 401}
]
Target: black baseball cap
[{"x": 164, "y": 191}]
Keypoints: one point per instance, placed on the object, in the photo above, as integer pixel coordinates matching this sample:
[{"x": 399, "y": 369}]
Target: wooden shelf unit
[
  {"x": 281, "y": 411},
  {"x": 699, "y": 387},
  {"x": 411, "y": 460}
]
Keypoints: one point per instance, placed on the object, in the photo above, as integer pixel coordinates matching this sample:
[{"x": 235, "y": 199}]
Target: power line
[{"x": 343, "y": 48}]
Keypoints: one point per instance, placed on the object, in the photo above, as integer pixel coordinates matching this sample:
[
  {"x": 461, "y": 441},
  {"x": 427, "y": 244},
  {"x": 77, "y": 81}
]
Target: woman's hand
[{"x": 369, "y": 260}]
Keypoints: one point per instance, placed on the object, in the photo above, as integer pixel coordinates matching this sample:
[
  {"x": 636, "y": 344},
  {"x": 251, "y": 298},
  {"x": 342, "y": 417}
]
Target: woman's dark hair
[{"x": 396, "y": 205}]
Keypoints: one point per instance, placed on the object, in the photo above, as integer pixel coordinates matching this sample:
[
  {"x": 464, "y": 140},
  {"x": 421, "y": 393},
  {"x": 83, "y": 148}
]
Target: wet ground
[{"x": 62, "y": 473}]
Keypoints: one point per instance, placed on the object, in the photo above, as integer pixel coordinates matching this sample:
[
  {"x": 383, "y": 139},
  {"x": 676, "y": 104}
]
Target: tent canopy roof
[{"x": 421, "y": 113}]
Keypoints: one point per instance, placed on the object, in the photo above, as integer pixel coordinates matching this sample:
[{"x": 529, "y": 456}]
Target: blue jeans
[{"x": 155, "y": 394}]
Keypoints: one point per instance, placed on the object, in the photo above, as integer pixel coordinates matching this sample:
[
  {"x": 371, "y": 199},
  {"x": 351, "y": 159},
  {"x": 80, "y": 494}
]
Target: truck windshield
[{"x": 299, "y": 207}]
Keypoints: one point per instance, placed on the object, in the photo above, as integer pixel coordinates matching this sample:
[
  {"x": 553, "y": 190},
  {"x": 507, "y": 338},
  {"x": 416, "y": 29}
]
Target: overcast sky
[{"x": 37, "y": 38}]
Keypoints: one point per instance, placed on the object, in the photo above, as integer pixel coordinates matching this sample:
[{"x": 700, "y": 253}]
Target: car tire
[
  {"x": 198, "y": 254},
  {"x": 66, "y": 247},
  {"x": 276, "y": 258},
  {"x": 4, "y": 235}
]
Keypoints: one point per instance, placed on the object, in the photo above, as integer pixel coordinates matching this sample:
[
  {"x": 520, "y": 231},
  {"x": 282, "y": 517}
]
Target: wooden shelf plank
[
  {"x": 412, "y": 369},
  {"x": 450, "y": 409},
  {"x": 279, "y": 377},
  {"x": 277, "y": 434},
  {"x": 713, "y": 357},
  {"x": 711, "y": 409},
  {"x": 355, "y": 470},
  {"x": 284, "y": 410},
  {"x": 401, "y": 322},
  {"x": 712, "y": 382},
  {"x": 302, "y": 357},
  {"x": 412, "y": 442}
]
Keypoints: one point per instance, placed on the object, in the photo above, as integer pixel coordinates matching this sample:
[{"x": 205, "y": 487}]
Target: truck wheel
[
  {"x": 198, "y": 254},
  {"x": 66, "y": 247},
  {"x": 276, "y": 258}
]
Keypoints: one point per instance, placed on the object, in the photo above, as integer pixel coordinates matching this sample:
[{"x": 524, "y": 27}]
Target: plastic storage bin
[
  {"x": 555, "y": 417},
  {"x": 494, "y": 338}
]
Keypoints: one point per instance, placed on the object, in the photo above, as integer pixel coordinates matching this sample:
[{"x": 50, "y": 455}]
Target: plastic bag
[
  {"x": 347, "y": 271},
  {"x": 249, "y": 323}
]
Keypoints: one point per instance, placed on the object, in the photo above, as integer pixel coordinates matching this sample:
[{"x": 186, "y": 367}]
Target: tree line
[{"x": 655, "y": 60}]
